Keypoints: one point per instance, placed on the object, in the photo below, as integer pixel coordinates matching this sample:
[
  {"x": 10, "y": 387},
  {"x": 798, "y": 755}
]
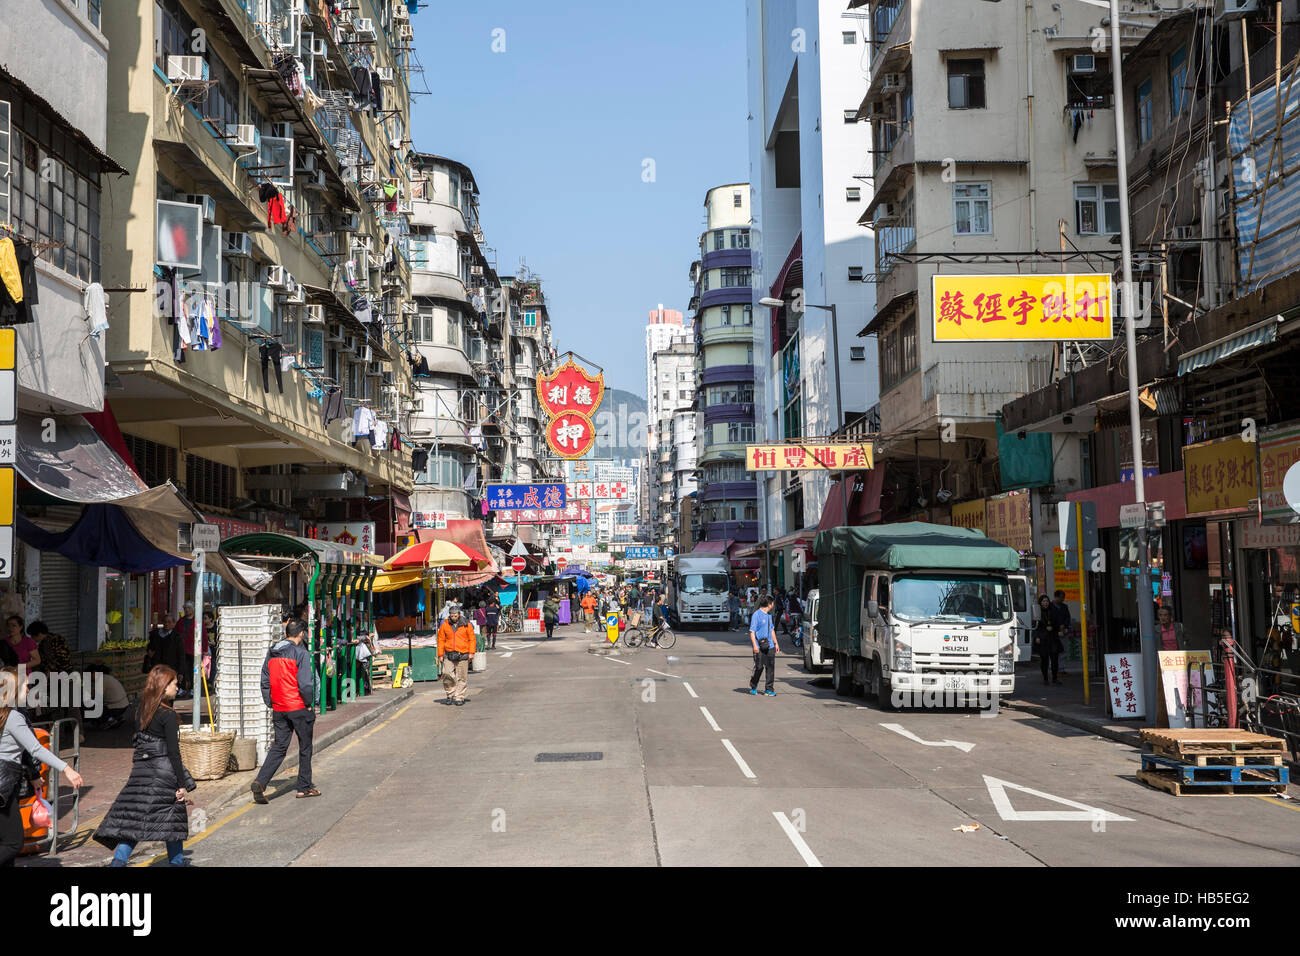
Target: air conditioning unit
[
  {"x": 318, "y": 47},
  {"x": 1083, "y": 63},
  {"x": 349, "y": 343},
  {"x": 887, "y": 212},
  {"x": 892, "y": 83},
  {"x": 406, "y": 33},
  {"x": 385, "y": 74},
  {"x": 334, "y": 333},
  {"x": 365, "y": 27},
  {"x": 1183, "y": 233},
  {"x": 307, "y": 162},
  {"x": 375, "y": 369},
  {"x": 275, "y": 277},
  {"x": 207, "y": 203},
  {"x": 315, "y": 179},
  {"x": 280, "y": 130},
  {"x": 363, "y": 352},
  {"x": 236, "y": 244},
  {"x": 404, "y": 207},
  {"x": 401, "y": 14},
  {"x": 298, "y": 296},
  {"x": 1234, "y": 9},
  {"x": 313, "y": 315},
  {"x": 476, "y": 271},
  {"x": 243, "y": 136},
  {"x": 183, "y": 69}
]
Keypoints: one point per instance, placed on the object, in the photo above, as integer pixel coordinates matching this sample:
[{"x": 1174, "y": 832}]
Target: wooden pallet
[
  {"x": 1211, "y": 741},
  {"x": 381, "y": 667},
  {"x": 1206, "y": 758},
  {"x": 1180, "y": 778}
]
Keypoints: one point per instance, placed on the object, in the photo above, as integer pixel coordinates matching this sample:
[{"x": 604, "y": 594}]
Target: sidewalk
[
  {"x": 1065, "y": 704},
  {"x": 106, "y": 763}
]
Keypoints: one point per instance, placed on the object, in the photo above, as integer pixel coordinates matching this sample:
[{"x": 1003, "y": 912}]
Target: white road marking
[
  {"x": 709, "y": 717},
  {"x": 901, "y": 730},
  {"x": 507, "y": 654},
  {"x": 796, "y": 838},
  {"x": 517, "y": 647},
  {"x": 690, "y": 690},
  {"x": 653, "y": 671},
  {"x": 614, "y": 659},
  {"x": 744, "y": 767},
  {"x": 998, "y": 791}
]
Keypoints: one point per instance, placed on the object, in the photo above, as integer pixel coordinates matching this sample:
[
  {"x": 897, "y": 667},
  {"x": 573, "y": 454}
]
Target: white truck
[
  {"x": 919, "y": 614},
  {"x": 699, "y": 589}
]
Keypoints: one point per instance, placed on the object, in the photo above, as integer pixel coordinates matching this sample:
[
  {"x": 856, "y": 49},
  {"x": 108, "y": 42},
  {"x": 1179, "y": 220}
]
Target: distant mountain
[{"x": 621, "y": 425}]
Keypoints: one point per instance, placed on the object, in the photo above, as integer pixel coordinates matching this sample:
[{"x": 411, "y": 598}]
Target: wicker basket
[{"x": 206, "y": 755}]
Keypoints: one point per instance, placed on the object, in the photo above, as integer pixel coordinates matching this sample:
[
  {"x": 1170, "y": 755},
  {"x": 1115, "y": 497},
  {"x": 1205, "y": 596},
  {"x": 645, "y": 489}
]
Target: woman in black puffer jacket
[{"x": 151, "y": 807}]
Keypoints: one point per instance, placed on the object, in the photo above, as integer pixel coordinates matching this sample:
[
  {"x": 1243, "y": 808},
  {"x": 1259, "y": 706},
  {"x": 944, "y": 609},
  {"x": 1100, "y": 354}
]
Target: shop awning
[
  {"x": 1109, "y": 498},
  {"x": 1261, "y": 333},
  {"x": 395, "y": 580},
  {"x": 713, "y": 547}
]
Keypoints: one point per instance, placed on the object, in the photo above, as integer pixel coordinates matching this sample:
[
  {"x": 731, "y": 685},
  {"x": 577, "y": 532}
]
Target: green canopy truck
[{"x": 918, "y": 613}]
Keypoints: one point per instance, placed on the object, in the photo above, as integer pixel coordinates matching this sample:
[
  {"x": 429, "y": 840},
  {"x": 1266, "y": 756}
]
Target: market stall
[{"x": 335, "y": 582}]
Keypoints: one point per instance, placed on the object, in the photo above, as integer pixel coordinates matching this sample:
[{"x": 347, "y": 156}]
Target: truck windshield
[
  {"x": 704, "y": 583},
  {"x": 968, "y": 598}
]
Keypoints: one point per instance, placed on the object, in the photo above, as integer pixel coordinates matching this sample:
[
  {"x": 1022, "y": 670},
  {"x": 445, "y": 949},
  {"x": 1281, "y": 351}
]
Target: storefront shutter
[{"x": 59, "y": 579}]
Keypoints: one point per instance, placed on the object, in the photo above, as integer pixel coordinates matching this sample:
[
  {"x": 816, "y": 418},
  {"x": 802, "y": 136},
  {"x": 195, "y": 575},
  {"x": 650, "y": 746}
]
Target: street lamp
[{"x": 1146, "y": 603}]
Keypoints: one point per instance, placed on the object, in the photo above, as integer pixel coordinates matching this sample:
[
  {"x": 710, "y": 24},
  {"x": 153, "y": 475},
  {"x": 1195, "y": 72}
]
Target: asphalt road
[{"x": 694, "y": 771}]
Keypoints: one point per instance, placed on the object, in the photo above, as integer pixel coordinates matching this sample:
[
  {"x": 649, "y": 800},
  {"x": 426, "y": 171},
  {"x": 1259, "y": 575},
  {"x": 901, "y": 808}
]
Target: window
[
  {"x": 53, "y": 188},
  {"x": 853, "y": 194},
  {"x": 1096, "y": 209},
  {"x": 850, "y": 116},
  {"x": 719, "y": 240},
  {"x": 735, "y": 276},
  {"x": 898, "y": 357},
  {"x": 740, "y": 432},
  {"x": 453, "y": 329},
  {"x": 736, "y": 199},
  {"x": 857, "y": 353},
  {"x": 749, "y": 315},
  {"x": 1143, "y": 113},
  {"x": 971, "y": 209},
  {"x": 849, "y": 37},
  {"x": 740, "y": 239},
  {"x": 966, "y": 84},
  {"x": 530, "y": 319},
  {"x": 855, "y": 273},
  {"x": 1092, "y": 89},
  {"x": 1177, "y": 81},
  {"x": 668, "y": 396}
]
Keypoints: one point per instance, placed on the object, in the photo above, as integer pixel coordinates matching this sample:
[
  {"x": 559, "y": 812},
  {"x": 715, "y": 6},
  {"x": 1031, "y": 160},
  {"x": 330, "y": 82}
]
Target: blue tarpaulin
[{"x": 102, "y": 537}]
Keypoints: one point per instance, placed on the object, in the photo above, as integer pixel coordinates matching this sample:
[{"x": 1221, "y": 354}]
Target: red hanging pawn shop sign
[
  {"x": 570, "y": 435},
  {"x": 570, "y": 388}
]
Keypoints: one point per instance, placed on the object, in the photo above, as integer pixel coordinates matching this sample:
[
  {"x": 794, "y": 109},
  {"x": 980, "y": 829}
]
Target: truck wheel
[
  {"x": 807, "y": 659},
  {"x": 879, "y": 688},
  {"x": 840, "y": 678}
]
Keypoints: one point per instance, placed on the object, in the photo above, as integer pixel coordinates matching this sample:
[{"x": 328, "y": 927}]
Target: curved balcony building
[{"x": 727, "y": 504}]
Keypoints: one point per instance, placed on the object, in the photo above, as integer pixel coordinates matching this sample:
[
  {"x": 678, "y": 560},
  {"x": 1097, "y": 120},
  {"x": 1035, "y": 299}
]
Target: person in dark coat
[
  {"x": 492, "y": 617},
  {"x": 164, "y": 646},
  {"x": 1046, "y": 642},
  {"x": 151, "y": 807}
]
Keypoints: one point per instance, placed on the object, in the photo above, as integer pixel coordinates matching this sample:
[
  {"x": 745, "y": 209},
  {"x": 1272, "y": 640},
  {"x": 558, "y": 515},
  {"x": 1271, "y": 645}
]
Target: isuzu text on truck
[
  {"x": 698, "y": 589},
  {"x": 919, "y": 614}
]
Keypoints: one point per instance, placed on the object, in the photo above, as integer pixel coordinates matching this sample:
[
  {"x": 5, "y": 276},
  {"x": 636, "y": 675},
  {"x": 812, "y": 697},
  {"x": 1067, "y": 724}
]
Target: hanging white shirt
[
  {"x": 381, "y": 432},
  {"x": 95, "y": 301},
  {"x": 363, "y": 421}
]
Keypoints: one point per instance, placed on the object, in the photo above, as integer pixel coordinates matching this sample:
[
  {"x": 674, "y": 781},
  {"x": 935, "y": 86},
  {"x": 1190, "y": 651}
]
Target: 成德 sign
[
  {"x": 1034, "y": 308},
  {"x": 526, "y": 497}
]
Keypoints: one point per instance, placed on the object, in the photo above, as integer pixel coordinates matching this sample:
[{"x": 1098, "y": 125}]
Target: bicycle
[{"x": 661, "y": 636}]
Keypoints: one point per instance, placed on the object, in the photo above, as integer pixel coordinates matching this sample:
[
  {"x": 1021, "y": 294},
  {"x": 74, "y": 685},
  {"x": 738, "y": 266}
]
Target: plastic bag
[{"x": 42, "y": 815}]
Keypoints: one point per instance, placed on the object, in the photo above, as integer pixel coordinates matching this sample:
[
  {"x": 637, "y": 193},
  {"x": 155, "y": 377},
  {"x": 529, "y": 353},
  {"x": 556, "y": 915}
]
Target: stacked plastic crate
[{"x": 245, "y": 634}]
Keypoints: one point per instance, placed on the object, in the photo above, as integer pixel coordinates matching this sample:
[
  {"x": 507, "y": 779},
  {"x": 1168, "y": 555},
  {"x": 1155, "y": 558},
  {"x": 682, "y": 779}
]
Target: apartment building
[
  {"x": 809, "y": 178},
  {"x": 55, "y": 165},
  {"x": 726, "y": 509},
  {"x": 673, "y": 463}
]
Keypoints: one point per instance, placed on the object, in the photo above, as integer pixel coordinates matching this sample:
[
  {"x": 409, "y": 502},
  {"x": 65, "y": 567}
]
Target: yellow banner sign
[
  {"x": 1220, "y": 476},
  {"x": 6, "y": 496},
  {"x": 1012, "y": 308},
  {"x": 1008, "y": 519},
  {"x": 969, "y": 514},
  {"x": 8, "y": 348},
  {"x": 1067, "y": 581},
  {"x": 809, "y": 457}
]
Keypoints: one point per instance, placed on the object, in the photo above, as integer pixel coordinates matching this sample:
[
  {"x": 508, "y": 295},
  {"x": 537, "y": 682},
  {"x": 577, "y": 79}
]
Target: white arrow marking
[
  {"x": 1084, "y": 813},
  {"x": 903, "y": 731},
  {"x": 517, "y": 647},
  {"x": 506, "y": 654}
]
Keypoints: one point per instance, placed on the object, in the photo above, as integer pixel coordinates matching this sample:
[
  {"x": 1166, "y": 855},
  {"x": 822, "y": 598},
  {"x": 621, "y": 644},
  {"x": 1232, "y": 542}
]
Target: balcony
[
  {"x": 897, "y": 149},
  {"x": 715, "y": 333}
]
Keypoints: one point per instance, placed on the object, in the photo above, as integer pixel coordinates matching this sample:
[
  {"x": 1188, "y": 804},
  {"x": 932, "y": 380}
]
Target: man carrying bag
[{"x": 456, "y": 645}]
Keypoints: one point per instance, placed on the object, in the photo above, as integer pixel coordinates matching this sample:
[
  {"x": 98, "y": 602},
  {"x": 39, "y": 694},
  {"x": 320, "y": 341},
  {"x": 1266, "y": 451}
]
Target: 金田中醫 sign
[{"x": 1033, "y": 308}]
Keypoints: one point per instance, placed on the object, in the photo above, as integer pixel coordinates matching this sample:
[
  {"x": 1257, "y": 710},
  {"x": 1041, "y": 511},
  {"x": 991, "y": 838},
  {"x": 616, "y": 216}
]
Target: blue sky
[{"x": 556, "y": 129}]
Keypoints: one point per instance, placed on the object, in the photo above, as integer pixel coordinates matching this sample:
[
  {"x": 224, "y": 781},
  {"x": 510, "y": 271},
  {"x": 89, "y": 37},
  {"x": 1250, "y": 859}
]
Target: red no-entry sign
[
  {"x": 518, "y": 564},
  {"x": 560, "y": 563}
]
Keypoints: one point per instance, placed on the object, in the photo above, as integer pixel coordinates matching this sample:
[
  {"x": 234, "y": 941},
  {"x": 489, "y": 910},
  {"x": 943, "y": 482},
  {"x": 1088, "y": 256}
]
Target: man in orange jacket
[
  {"x": 456, "y": 645},
  {"x": 588, "y": 612}
]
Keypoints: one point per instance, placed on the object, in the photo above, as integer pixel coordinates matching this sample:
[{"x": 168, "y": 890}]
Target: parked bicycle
[{"x": 660, "y": 636}]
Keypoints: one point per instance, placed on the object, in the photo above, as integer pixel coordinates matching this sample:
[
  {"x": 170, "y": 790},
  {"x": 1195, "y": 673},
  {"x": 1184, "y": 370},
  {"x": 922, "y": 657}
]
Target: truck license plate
[{"x": 953, "y": 683}]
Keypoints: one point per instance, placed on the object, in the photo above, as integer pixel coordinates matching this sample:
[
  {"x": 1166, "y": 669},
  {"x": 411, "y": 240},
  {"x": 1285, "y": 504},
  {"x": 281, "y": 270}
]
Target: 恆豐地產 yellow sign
[
  {"x": 1032, "y": 308},
  {"x": 809, "y": 457}
]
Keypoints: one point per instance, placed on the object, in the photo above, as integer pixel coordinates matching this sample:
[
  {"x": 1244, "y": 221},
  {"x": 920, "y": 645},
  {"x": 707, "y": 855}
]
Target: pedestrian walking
[
  {"x": 550, "y": 614},
  {"x": 588, "y": 612},
  {"x": 491, "y": 619},
  {"x": 17, "y": 741},
  {"x": 733, "y": 603},
  {"x": 456, "y": 645},
  {"x": 289, "y": 690},
  {"x": 1046, "y": 642},
  {"x": 151, "y": 807},
  {"x": 762, "y": 637},
  {"x": 1060, "y": 620}
]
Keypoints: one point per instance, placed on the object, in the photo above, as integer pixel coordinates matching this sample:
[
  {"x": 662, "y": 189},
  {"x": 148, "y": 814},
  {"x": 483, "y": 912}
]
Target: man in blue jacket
[
  {"x": 762, "y": 636},
  {"x": 289, "y": 689}
]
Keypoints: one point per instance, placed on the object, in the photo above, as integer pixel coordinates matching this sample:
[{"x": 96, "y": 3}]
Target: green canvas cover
[{"x": 845, "y": 554}]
